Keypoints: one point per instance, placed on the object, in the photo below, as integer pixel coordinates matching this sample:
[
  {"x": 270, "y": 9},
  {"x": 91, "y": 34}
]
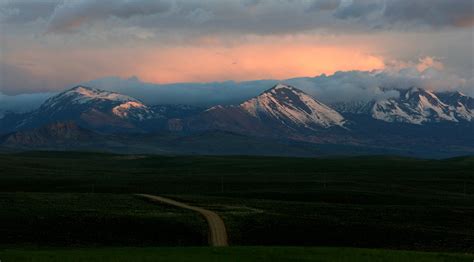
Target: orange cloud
[
  {"x": 201, "y": 63},
  {"x": 465, "y": 21},
  {"x": 429, "y": 62},
  {"x": 248, "y": 62}
]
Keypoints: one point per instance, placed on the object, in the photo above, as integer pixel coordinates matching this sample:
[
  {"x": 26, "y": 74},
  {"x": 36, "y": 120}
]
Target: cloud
[
  {"x": 338, "y": 87},
  {"x": 344, "y": 87},
  {"x": 429, "y": 62},
  {"x": 168, "y": 41},
  {"x": 245, "y": 16},
  {"x": 436, "y": 13},
  {"x": 204, "y": 16},
  {"x": 382, "y": 84},
  {"x": 359, "y": 8},
  {"x": 265, "y": 16},
  {"x": 58, "y": 68},
  {"x": 28, "y": 76},
  {"x": 408, "y": 14},
  {"x": 198, "y": 94},
  {"x": 26, "y": 11},
  {"x": 318, "y": 5},
  {"x": 22, "y": 103},
  {"x": 427, "y": 73},
  {"x": 70, "y": 15},
  {"x": 15, "y": 79}
]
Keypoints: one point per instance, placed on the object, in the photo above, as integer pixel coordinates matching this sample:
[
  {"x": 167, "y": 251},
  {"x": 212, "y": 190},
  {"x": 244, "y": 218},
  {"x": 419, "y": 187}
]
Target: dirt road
[{"x": 217, "y": 231}]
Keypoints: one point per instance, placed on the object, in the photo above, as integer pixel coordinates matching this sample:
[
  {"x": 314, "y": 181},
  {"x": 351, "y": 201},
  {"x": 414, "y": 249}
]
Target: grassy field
[
  {"x": 370, "y": 202},
  {"x": 71, "y": 219},
  {"x": 248, "y": 254},
  {"x": 82, "y": 172}
]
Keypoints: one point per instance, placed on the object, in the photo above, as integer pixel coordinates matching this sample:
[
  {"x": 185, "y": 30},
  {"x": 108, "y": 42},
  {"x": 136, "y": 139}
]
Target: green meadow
[{"x": 57, "y": 206}]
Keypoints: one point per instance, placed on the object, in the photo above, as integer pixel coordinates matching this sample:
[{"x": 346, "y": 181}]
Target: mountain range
[{"x": 418, "y": 122}]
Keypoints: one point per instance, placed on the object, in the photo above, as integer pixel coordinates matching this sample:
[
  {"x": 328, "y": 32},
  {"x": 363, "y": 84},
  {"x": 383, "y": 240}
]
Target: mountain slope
[
  {"x": 353, "y": 107},
  {"x": 170, "y": 111},
  {"x": 462, "y": 105},
  {"x": 52, "y": 135}
]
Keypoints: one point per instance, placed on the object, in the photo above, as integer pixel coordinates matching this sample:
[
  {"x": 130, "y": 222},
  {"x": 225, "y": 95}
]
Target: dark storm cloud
[
  {"x": 436, "y": 13},
  {"x": 389, "y": 14},
  {"x": 22, "y": 11},
  {"x": 260, "y": 16},
  {"x": 326, "y": 4},
  {"x": 359, "y": 8},
  {"x": 71, "y": 15},
  {"x": 245, "y": 16}
]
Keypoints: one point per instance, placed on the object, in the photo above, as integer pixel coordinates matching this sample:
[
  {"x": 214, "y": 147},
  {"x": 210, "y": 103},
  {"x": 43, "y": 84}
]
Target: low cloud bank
[
  {"x": 22, "y": 103},
  {"x": 365, "y": 86},
  {"x": 427, "y": 73}
]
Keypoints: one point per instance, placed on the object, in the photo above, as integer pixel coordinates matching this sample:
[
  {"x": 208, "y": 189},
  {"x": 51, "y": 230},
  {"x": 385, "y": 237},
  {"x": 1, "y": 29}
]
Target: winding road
[{"x": 217, "y": 231}]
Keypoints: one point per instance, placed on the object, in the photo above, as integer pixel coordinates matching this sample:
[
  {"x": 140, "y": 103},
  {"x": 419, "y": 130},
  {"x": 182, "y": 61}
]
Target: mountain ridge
[{"x": 416, "y": 119}]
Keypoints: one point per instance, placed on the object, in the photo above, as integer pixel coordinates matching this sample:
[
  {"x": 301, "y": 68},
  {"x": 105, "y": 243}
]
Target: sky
[{"x": 51, "y": 45}]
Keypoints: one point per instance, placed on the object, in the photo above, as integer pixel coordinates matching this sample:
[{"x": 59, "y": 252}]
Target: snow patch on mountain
[{"x": 133, "y": 109}]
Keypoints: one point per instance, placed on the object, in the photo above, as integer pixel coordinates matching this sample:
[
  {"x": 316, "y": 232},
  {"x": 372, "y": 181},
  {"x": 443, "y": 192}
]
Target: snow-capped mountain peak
[
  {"x": 81, "y": 99},
  {"x": 418, "y": 106},
  {"x": 132, "y": 109},
  {"x": 83, "y": 95},
  {"x": 292, "y": 106}
]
